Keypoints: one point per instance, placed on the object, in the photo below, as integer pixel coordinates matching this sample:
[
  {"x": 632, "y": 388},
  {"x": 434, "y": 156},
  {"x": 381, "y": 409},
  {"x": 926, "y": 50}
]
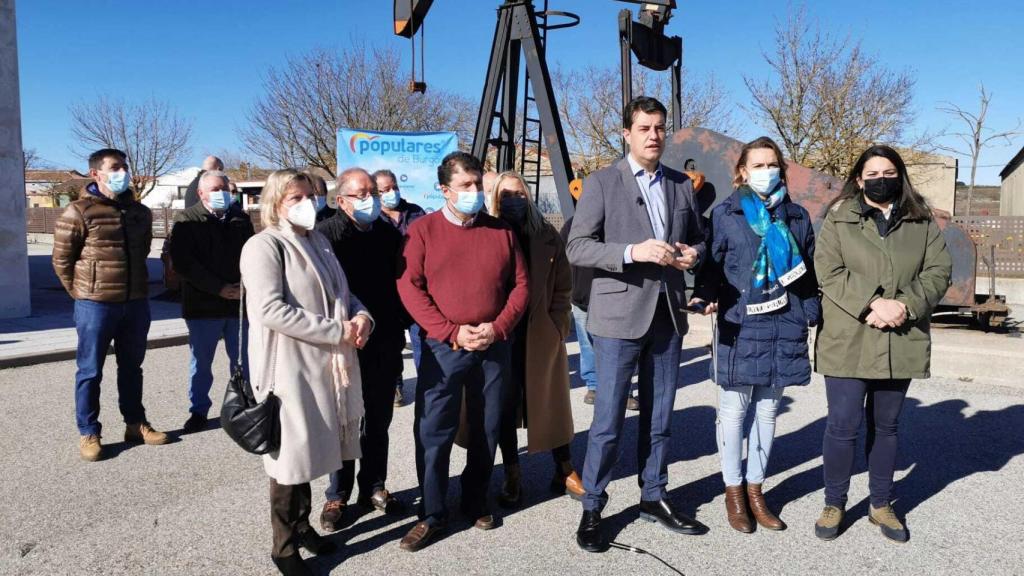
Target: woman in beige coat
[
  {"x": 304, "y": 329},
  {"x": 539, "y": 400}
]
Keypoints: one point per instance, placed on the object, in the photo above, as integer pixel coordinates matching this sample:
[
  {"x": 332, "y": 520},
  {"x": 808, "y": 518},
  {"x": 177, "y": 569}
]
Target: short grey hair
[
  {"x": 349, "y": 174},
  {"x": 212, "y": 174}
]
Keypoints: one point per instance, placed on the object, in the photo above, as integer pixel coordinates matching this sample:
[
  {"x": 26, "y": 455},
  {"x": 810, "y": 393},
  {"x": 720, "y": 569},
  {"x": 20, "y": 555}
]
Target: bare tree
[
  {"x": 977, "y": 136},
  {"x": 296, "y": 122},
  {"x": 590, "y": 102},
  {"x": 31, "y": 159},
  {"x": 827, "y": 100},
  {"x": 151, "y": 133}
]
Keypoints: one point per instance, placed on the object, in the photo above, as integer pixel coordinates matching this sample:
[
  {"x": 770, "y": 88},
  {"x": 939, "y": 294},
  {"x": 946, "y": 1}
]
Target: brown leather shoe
[
  {"x": 142, "y": 432},
  {"x": 736, "y": 509},
  {"x": 759, "y": 507},
  {"x": 511, "y": 495},
  {"x": 419, "y": 536},
  {"x": 567, "y": 481},
  {"x": 486, "y": 522},
  {"x": 331, "y": 515},
  {"x": 632, "y": 404}
]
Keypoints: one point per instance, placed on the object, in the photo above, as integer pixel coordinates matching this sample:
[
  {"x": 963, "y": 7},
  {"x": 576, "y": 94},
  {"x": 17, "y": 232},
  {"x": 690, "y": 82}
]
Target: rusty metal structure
[{"x": 715, "y": 154}]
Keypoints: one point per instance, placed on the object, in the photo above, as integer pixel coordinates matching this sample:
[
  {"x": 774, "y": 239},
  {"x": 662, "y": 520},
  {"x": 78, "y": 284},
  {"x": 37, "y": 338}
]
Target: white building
[{"x": 170, "y": 189}]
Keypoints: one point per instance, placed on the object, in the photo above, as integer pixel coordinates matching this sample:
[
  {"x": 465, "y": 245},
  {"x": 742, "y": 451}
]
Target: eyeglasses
[{"x": 363, "y": 196}]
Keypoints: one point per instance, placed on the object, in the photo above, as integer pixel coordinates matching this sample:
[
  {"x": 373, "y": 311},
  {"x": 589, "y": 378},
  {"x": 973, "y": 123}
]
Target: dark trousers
[
  {"x": 846, "y": 410},
  {"x": 289, "y": 516},
  {"x": 656, "y": 353},
  {"x": 508, "y": 440},
  {"x": 126, "y": 324},
  {"x": 379, "y": 366},
  {"x": 444, "y": 376}
]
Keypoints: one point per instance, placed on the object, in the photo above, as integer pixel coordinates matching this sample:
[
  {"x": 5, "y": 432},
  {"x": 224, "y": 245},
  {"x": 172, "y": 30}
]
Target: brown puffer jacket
[{"x": 100, "y": 248}]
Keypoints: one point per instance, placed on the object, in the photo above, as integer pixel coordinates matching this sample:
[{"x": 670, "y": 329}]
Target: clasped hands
[
  {"x": 886, "y": 313},
  {"x": 664, "y": 254},
  {"x": 356, "y": 331},
  {"x": 473, "y": 338}
]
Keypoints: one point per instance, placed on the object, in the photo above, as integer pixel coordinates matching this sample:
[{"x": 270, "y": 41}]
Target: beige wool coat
[{"x": 296, "y": 308}]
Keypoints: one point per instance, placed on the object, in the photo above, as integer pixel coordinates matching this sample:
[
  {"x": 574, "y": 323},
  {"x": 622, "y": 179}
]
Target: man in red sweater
[{"x": 465, "y": 284}]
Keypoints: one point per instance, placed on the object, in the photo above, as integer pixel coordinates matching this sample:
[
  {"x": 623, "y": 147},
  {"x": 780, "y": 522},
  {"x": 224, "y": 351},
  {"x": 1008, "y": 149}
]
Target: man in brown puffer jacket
[{"x": 100, "y": 246}]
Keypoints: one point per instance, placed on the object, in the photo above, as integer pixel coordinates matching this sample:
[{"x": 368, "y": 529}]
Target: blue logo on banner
[{"x": 412, "y": 156}]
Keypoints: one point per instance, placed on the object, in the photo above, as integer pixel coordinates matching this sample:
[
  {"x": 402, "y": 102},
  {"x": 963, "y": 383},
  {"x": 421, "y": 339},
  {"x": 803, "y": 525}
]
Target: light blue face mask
[
  {"x": 219, "y": 199},
  {"x": 367, "y": 210},
  {"x": 390, "y": 199},
  {"x": 118, "y": 181},
  {"x": 763, "y": 180},
  {"x": 319, "y": 202},
  {"x": 469, "y": 203}
]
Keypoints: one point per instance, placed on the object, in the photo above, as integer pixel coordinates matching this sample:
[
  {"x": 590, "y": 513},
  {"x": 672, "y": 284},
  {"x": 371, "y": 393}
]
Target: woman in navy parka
[{"x": 759, "y": 279}]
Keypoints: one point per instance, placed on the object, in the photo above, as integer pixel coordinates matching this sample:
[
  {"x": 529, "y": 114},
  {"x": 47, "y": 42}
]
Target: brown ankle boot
[
  {"x": 736, "y": 509},
  {"x": 760, "y": 509}
]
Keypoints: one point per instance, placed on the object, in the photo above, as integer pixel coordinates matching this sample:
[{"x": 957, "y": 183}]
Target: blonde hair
[
  {"x": 534, "y": 219},
  {"x": 273, "y": 192}
]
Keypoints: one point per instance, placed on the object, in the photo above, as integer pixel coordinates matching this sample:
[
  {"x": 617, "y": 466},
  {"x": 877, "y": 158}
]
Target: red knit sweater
[{"x": 463, "y": 275}]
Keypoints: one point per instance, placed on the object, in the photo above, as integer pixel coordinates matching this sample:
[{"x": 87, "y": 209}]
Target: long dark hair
[
  {"x": 909, "y": 201},
  {"x": 763, "y": 142}
]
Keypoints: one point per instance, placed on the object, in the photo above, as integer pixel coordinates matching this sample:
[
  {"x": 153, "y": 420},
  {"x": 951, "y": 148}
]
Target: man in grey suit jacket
[{"x": 637, "y": 224}]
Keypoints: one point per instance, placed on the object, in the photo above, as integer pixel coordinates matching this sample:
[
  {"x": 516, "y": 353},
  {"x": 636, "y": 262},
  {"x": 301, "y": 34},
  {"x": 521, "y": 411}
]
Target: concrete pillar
[{"x": 14, "y": 289}]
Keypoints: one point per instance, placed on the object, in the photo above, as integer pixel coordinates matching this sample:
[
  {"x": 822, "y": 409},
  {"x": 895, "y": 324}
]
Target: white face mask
[
  {"x": 303, "y": 214},
  {"x": 763, "y": 180}
]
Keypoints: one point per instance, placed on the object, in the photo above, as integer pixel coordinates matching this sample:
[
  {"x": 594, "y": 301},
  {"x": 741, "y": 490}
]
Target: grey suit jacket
[{"x": 611, "y": 215}]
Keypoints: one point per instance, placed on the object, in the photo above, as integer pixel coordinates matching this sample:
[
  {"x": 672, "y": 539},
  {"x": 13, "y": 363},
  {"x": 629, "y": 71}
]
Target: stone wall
[{"x": 14, "y": 287}]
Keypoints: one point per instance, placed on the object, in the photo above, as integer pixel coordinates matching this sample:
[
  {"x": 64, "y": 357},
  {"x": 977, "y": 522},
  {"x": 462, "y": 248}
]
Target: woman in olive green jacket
[{"x": 882, "y": 266}]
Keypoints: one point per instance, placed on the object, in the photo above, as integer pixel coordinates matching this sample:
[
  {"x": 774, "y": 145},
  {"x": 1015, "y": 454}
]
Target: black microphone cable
[{"x": 643, "y": 552}]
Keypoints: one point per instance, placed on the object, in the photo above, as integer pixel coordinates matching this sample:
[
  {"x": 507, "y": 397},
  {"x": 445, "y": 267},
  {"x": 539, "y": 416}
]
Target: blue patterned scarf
[{"x": 778, "y": 262}]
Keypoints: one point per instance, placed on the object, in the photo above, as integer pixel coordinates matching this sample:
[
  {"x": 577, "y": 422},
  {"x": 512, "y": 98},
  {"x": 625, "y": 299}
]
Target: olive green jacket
[{"x": 855, "y": 266}]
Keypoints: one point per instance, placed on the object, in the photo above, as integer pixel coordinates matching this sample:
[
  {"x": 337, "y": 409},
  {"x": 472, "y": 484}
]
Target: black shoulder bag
[{"x": 255, "y": 426}]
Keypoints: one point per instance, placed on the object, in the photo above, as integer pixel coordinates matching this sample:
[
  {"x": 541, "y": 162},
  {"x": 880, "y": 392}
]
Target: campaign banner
[{"x": 412, "y": 156}]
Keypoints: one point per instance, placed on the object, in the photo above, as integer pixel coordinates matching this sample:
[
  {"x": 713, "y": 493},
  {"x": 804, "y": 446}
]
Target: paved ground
[
  {"x": 199, "y": 506},
  {"x": 49, "y": 333}
]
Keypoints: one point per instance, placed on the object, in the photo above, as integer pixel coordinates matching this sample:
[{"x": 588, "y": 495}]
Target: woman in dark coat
[{"x": 760, "y": 281}]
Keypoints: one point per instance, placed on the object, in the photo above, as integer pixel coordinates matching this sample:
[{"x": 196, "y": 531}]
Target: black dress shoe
[
  {"x": 292, "y": 565},
  {"x": 316, "y": 543},
  {"x": 195, "y": 423},
  {"x": 661, "y": 511},
  {"x": 589, "y": 535},
  {"x": 382, "y": 501}
]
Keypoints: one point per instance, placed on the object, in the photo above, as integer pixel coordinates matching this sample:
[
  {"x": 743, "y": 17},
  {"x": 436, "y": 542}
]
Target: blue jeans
[
  {"x": 203, "y": 335},
  {"x": 587, "y": 369},
  {"x": 732, "y": 412},
  {"x": 126, "y": 324},
  {"x": 656, "y": 354}
]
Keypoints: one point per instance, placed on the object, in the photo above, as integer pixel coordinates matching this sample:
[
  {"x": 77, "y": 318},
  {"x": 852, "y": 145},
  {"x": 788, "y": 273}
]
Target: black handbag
[{"x": 255, "y": 426}]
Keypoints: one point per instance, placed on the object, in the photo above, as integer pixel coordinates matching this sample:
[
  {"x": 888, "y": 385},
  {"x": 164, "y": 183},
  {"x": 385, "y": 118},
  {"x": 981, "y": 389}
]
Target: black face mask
[
  {"x": 883, "y": 190},
  {"x": 513, "y": 209}
]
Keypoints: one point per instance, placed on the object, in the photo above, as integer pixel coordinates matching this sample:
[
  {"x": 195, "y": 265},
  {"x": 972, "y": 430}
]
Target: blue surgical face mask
[
  {"x": 469, "y": 203},
  {"x": 219, "y": 199},
  {"x": 118, "y": 181},
  {"x": 367, "y": 210},
  {"x": 390, "y": 199},
  {"x": 319, "y": 202},
  {"x": 763, "y": 180}
]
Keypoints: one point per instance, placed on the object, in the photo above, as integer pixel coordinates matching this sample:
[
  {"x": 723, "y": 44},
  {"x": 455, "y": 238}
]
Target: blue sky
[{"x": 207, "y": 58}]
